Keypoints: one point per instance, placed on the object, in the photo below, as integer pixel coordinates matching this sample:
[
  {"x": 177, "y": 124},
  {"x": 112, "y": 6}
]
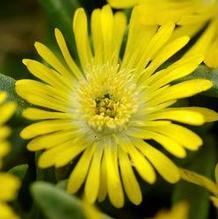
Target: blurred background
[{"x": 22, "y": 22}]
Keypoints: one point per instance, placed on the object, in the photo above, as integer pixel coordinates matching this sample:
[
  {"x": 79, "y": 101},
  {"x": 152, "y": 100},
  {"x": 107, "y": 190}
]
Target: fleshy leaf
[
  {"x": 198, "y": 197},
  {"x": 8, "y": 84},
  {"x": 56, "y": 204},
  {"x": 19, "y": 171},
  {"x": 204, "y": 72}
]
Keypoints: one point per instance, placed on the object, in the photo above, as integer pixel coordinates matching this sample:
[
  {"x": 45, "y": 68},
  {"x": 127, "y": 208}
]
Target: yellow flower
[
  {"x": 189, "y": 15},
  {"x": 6, "y": 111},
  {"x": 105, "y": 109},
  {"x": 8, "y": 184},
  {"x": 182, "y": 12},
  {"x": 200, "y": 180},
  {"x": 179, "y": 211}
]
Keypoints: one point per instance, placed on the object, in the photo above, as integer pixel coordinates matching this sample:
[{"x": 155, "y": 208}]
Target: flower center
[
  {"x": 107, "y": 99},
  {"x": 106, "y": 106}
]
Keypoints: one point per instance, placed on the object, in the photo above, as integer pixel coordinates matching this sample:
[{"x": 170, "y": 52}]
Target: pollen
[
  {"x": 106, "y": 106},
  {"x": 107, "y": 98}
]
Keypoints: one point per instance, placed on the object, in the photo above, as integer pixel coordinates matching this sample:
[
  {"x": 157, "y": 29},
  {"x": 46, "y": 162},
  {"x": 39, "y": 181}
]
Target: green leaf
[
  {"x": 62, "y": 184},
  {"x": 8, "y": 84},
  {"x": 211, "y": 74},
  {"x": 23, "y": 200},
  {"x": 55, "y": 203},
  {"x": 19, "y": 171},
  {"x": 197, "y": 197},
  {"x": 60, "y": 14}
]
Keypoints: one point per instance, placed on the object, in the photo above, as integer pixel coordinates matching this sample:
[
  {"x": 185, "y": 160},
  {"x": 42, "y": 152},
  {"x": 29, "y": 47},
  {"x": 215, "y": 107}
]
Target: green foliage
[
  {"x": 210, "y": 74},
  {"x": 19, "y": 171},
  {"x": 197, "y": 197},
  {"x": 55, "y": 203},
  {"x": 8, "y": 84},
  {"x": 48, "y": 199}
]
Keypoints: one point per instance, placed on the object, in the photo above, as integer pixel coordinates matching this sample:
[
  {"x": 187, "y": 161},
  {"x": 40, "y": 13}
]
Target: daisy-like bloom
[
  {"x": 189, "y": 15},
  {"x": 178, "y": 11},
  {"x": 8, "y": 183},
  {"x": 203, "y": 181},
  {"x": 103, "y": 108},
  {"x": 179, "y": 211}
]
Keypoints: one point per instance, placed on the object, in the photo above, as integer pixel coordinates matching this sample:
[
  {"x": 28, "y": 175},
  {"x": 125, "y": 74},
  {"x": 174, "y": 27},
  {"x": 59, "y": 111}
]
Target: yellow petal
[
  {"x": 45, "y": 127},
  {"x": 91, "y": 211},
  {"x": 52, "y": 60},
  {"x": 187, "y": 116},
  {"x": 179, "y": 211},
  {"x": 38, "y": 114},
  {"x": 80, "y": 171},
  {"x": 177, "y": 70},
  {"x": 103, "y": 185},
  {"x": 97, "y": 36},
  {"x": 122, "y": 3},
  {"x": 180, "y": 134},
  {"x": 43, "y": 90},
  {"x": 7, "y": 212},
  {"x": 138, "y": 38},
  {"x": 187, "y": 30},
  {"x": 114, "y": 186},
  {"x": 130, "y": 183},
  {"x": 142, "y": 166},
  {"x": 65, "y": 52},
  {"x": 165, "y": 53},
  {"x": 4, "y": 132},
  {"x": 165, "y": 167},
  {"x": 208, "y": 114},
  {"x": 71, "y": 149},
  {"x": 3, "y": 96},
  {"x": 161, "y": 12},
  {"x": 4, "y": 148},
  {"x": 120, "y": 25},
  {"x": 203, "y": 43},
  {"x": 93, "y": 179},
  {"x": 184, "y": 89},
  {"x": 9, "y": 185},
  {"x": 211, "y": 59},
  {"x": 156, "y": 43},
  {"x": 107, "y": 31},
  {"x": 50, "y": 140},
  {"x": 7, "y": 111},
  {"x": 39, "y": 95},
  {"x": 81, "y": 37},
  {"x": 214, "y": 200},
  {"x": 47, "y": 158},
  {"x": 167, "y": 142},
  {"x": 47, "y": 75},
  {"x": 200, "y": 180}
]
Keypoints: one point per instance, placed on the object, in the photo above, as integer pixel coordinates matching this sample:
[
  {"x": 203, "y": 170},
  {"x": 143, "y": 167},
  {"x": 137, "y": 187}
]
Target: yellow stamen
[{"x": 107, "y": 98}]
